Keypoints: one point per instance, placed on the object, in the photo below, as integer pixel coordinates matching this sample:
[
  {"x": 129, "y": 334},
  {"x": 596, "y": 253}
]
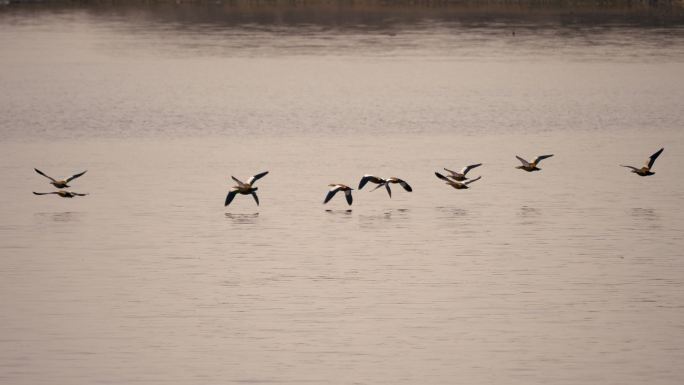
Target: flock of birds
[{"x": 457, "y": 180}]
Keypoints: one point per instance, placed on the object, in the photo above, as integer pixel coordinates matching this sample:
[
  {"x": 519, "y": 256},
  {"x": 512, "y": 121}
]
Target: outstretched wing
[
  {"x": 653, "y": 157},
  {"x": 468, "y": 168},
  {"x": 54, "y": 192},
  {"x": 256, "y": 177},
  {"x": 348, "y": 195},
  {"x": 388, "y": 189},
  {"x": 75, "y": 176},
  {"x": 633, "y": 168},
  {"x": 472, "y": 180},
  {"x": 256, "y": 198},
  {"x": 331, "y": 194},
  {"x": 230, "y": 196},
  {"x": 442, "y": 177},
  {"x": 540, "y": 158},
  {"x": 523, "y": 161},
  {"x": 405, "y": 185},
  {"x": 370, "y": 178},
  {"x": 43, "y": 174},
  {"x": 451, "y": 171},
  {"x": 80, "y": 195},
  {"x": 237, "y": 180}
]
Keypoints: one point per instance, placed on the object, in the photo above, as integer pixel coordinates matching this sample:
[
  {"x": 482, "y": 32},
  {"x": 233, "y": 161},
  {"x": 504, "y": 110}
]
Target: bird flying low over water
[
  {"x": 244, "y": 188},
  {"x": 532, "y": 166},
  {"x": 339, "y": 187},
  {"x": 62, "y": 183},
  {"x": 63, "y": 194},
  {"x": 383, "y": 182},
  {"x": 461, "y": 175},
  {"x": 646, "y": 169},
  {"x": 456, "y": 184}
]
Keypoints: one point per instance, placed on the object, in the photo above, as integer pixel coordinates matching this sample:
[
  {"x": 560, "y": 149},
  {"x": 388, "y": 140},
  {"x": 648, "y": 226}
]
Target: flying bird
[
  {"x": 646, "y": 169},
  {"x": 457, "y": 184},
  {"x": 244, "y": 188},
  {"x": 461, "y": 175},
  {"x": 62, "y": 183},
  {"x": 339, "y": 187},
  {"x": 383, "y": 182},
  {"x": 62, "y": 193},
  {"x": 532, "y": 166}
]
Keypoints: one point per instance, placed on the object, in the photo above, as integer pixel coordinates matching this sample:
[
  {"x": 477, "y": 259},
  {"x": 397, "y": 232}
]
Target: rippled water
[{"x": 570, "y": 275}]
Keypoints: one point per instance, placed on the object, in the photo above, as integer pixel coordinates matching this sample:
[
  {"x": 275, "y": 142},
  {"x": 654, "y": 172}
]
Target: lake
[{"x": 570, "y": 275}]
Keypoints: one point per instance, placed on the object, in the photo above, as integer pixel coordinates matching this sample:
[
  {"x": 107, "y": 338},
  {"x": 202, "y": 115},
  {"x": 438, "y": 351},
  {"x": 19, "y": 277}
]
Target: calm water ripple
[{"x": 570, "y": 275}]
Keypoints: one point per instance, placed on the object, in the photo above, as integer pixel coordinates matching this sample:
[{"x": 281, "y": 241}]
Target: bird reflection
[
  {"x": 243, "y": 218},
  {"x": 527, "y": 212},
  {"x": 645, "y": 214},
  {"x": 60, "y": 217},
  {"x": 452, "y": 211},
  {"x": 339, "y": 212},
  {"x": 385, "y": 215},
  {"x": 529, "y": 215},
  {"x": 644, "y": 218}
]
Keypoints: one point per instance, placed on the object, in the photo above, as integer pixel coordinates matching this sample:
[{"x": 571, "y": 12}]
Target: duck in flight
[
  {"x": 461, "y": 175},
  {"x": 62, "y": 193},
  {"x": 62, "y": 183},
  {"x": 339, "y": 187},
  {"x": 244, "y": 188},
  {"x": 383, "y": 182},
  {"x": 532, "y": 166},
  {"x": 646, "y": 169},
  {"x": 458, "y": 185}
]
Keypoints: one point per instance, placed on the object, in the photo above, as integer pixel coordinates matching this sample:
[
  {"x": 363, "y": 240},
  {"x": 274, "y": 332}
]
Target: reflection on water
[
  {"x": 60, "y": 217},
  {"x": 645, "y": 218},
  {"x": 645, "y": 214},
  {"x": 339, "y": 211},
  {"x": 529, "y": 215},
  {"x": 396, "y": 218},
  {"x": 242, "y": 219},
  {"x": 421, "y": 288},
  {"x": 529, "y": 212},
  {"x": 452, "y": 211}
]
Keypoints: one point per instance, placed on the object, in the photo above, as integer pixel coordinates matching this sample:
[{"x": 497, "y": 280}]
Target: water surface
[{"x": 570, "y": 275}]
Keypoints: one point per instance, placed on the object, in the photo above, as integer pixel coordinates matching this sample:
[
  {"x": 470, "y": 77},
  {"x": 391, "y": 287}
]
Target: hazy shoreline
[
  {"x": 393, "y": 3},
  {"x": 657, "y": 13}
]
